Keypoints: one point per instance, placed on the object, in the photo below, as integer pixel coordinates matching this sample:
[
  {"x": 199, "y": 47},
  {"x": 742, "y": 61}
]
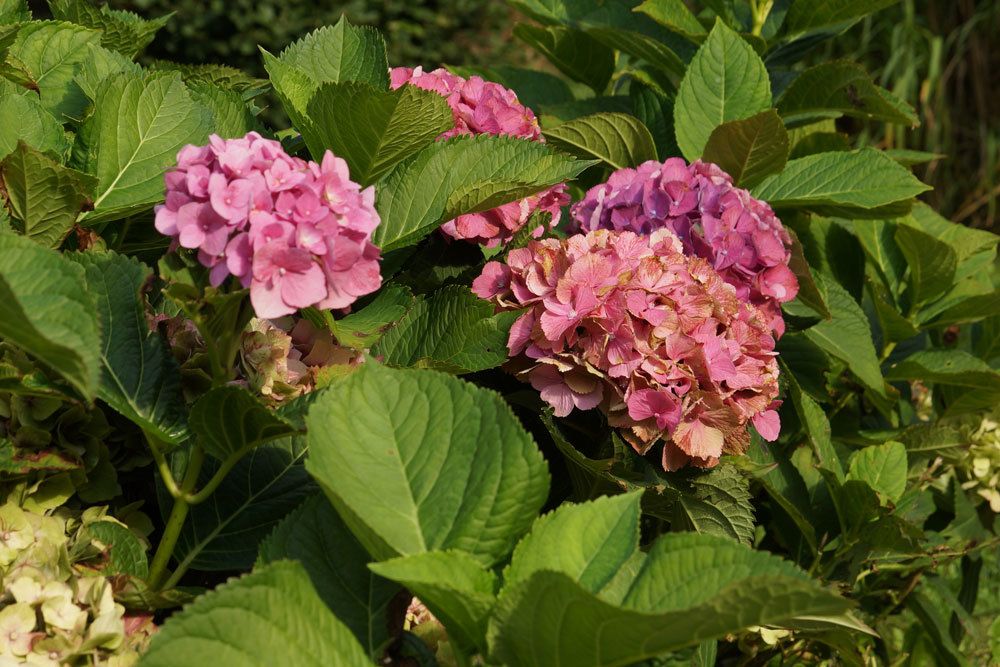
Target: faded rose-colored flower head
[
  {"x": 738, "y": 235},
  {"x": 655, "y": 338},
  {"x": 296, "y": 233},
  {"x": 485, "y": 107}
]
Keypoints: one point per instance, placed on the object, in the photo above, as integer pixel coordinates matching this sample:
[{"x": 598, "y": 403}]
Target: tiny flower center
[
  {"x": 281, "y": 271},
  {"x": 12, "y": 636}
]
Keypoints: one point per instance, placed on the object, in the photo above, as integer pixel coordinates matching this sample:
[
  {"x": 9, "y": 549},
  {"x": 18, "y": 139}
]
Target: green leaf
[
  {"x": 656, "y": 111},
  {"x": 725, "y": 81},
  {"x": 807, "y": 16},
  {"x": 841, "y": 87},
  {"x": 337, "y": 565},
  {"x": 948, "y": 367},
  {"x": 690, "y": 588},
  {"x": 139, "y": 377},
  {"x": 14, "y": 11},
  {"x": 589, "y": 542},
  {"x": 99, "y": 65},
  {"x": 229, "y": 420},
  {"x": 453, "y": 331},
  {"x": 882, "y": 467},
  {"x": 138, "y": 126},
  {"x": 339, "y": 53},
  {"x": 573, "y": 52},
  {"x": 46, "y": 310},
  {"x": 122, "y": 549},
  {"x": 35, "y": 126},
  {"x": 862, "y": 183},
  {"x": 417, "y": 461},
  {"x": 231, "y": 117},
  {"x": 809, "y": 292},
  {"x": 121, "y": 31},
  {"x": 45, "y": 56},
  {"x": 816, "y": 426},
  {"x": 932, "y": 264},
  {"x": 675, "y": 15},
  {"x": 365, "y": 326},
  {"x": 373, "y": 130},
  {"x": 456, "y": 588},
  {"x": 617, "y": 139},
  {"x": 259, "y": 620},
  {"x": 847, "y": 336},
  {"x": 749, "y": 149},
  {"x": 464, "y": 175},
  {"x": 715, "y": 503},
  {"x": 44, "y": 196},
  {"x": 224, "y": 532}
]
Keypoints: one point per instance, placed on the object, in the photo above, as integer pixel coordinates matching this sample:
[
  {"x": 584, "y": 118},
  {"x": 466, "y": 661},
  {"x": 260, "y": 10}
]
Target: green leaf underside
[
  {"x": 949, "y": 367},
  {"x": 258, "y": 620},
  {"x": 476, "y": 489},
  {"x": 749, "y": 149},
  {"x": 45, "y": 310},
  {"x": 463, "y": 175},
  {"x": 452, "y": 331},
  {"x": 851, "y": 183},
  {"x": 725, "y": 81},
  {"x": 806, "y": 16},
  {"x": 139, "y": 378},
  {"x": 315, "y": 536},
  {"x": 125, "y": 553},
  {"x": 617, "y": 139}
]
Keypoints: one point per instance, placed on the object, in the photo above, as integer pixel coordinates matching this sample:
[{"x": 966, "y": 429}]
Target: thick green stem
[
  {"x": 175, "y": 522},
  {"x": 760, "y": 10}
]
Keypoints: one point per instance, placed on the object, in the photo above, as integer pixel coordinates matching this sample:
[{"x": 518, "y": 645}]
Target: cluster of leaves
[{"x": 394, "y": 478}]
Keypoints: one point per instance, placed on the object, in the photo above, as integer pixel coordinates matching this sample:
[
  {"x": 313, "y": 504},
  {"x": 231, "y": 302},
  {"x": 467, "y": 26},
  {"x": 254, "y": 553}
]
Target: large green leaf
[
  {"x": 46, "y": 310},
  {"x": 949, "y": 367},
  {"x": 816, "y": 427},
  {"x": 749, "y": 149},
  {"x": 224, "y": 532},
  {"x": 121, "y": 31},
  {"x": 453, "y": 331},
  {"x": 44, "y": 196},
  {"x": 590, "y": 542},
  {"x": 35, "y": 126},
  {"x": 229, "y": 420},
  {"x": 14, "y": 11},
  {"x": 365, "y": 326},
  {"x": 689, "y": 588},
  {"x": 339, "y": 53},
  {"x": 716, "y": 503},
  {"x": 617, "y": 139},
  {"x": 373, "y": 130},
  {"x": 455, "y": 587},
  {"x": 675, "y": 15},
  {"x": 862, "y": 183},
  {"x": 835, "y": 88},
  {"x": 464, "y": 175},
  {"x": 573, "y": 52},
  {"x": 847, "y": 336},
  {"x": 231, "y": 116},
  {"x": 882, "y": 467},
  {"x": 99, "y": 65},
  {"x": 138, "y": 126},
  {"x": 139, "y": 377},
  {"x": 417, "y": 461},
  {"x": 932, "y": 264},
  {"x": 806, "y": 16},
  {"x": 337, "y": 564},
  {"x": 725, "y": 81},
  {"x": 45, "y": 56},
  {"x": 259, "y": 620}
]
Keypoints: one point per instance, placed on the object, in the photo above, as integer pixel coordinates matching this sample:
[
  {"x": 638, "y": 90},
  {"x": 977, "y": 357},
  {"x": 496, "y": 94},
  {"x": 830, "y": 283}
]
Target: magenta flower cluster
[
  {"x": 655, "y": 338},
  {"x": 296, "y": 233},
  {"x": 484, "y": 107},
  {"x": 739, "y": 235}
]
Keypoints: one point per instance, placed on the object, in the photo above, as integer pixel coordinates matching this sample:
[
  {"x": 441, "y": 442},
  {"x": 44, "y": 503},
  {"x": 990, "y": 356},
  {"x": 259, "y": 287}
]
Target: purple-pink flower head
[
  {"x": 738, "y": 235},
  {"x": 296, "y": 233},
  {"x": 485, "y": 107},
  {"x": 655, "y": 338}
]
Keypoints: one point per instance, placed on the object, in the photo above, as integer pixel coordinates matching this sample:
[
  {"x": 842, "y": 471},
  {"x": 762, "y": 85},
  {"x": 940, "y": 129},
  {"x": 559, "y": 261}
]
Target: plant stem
[
  {"x": 760, "y": 12},
  {"x": 175, "y": 522}
]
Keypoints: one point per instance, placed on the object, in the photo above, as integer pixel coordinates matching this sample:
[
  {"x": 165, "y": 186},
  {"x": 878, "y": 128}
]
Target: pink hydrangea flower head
[
  {"x": 655, "y": 338},
  {"x": 296, "y": 233},
  {"x": 485, "y": 107},
  {"x": 738, "y": 235}
]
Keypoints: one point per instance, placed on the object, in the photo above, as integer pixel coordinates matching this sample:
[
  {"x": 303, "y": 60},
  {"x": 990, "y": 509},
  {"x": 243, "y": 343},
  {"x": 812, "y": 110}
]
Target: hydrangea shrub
[{"x": 334, "y": 371}]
